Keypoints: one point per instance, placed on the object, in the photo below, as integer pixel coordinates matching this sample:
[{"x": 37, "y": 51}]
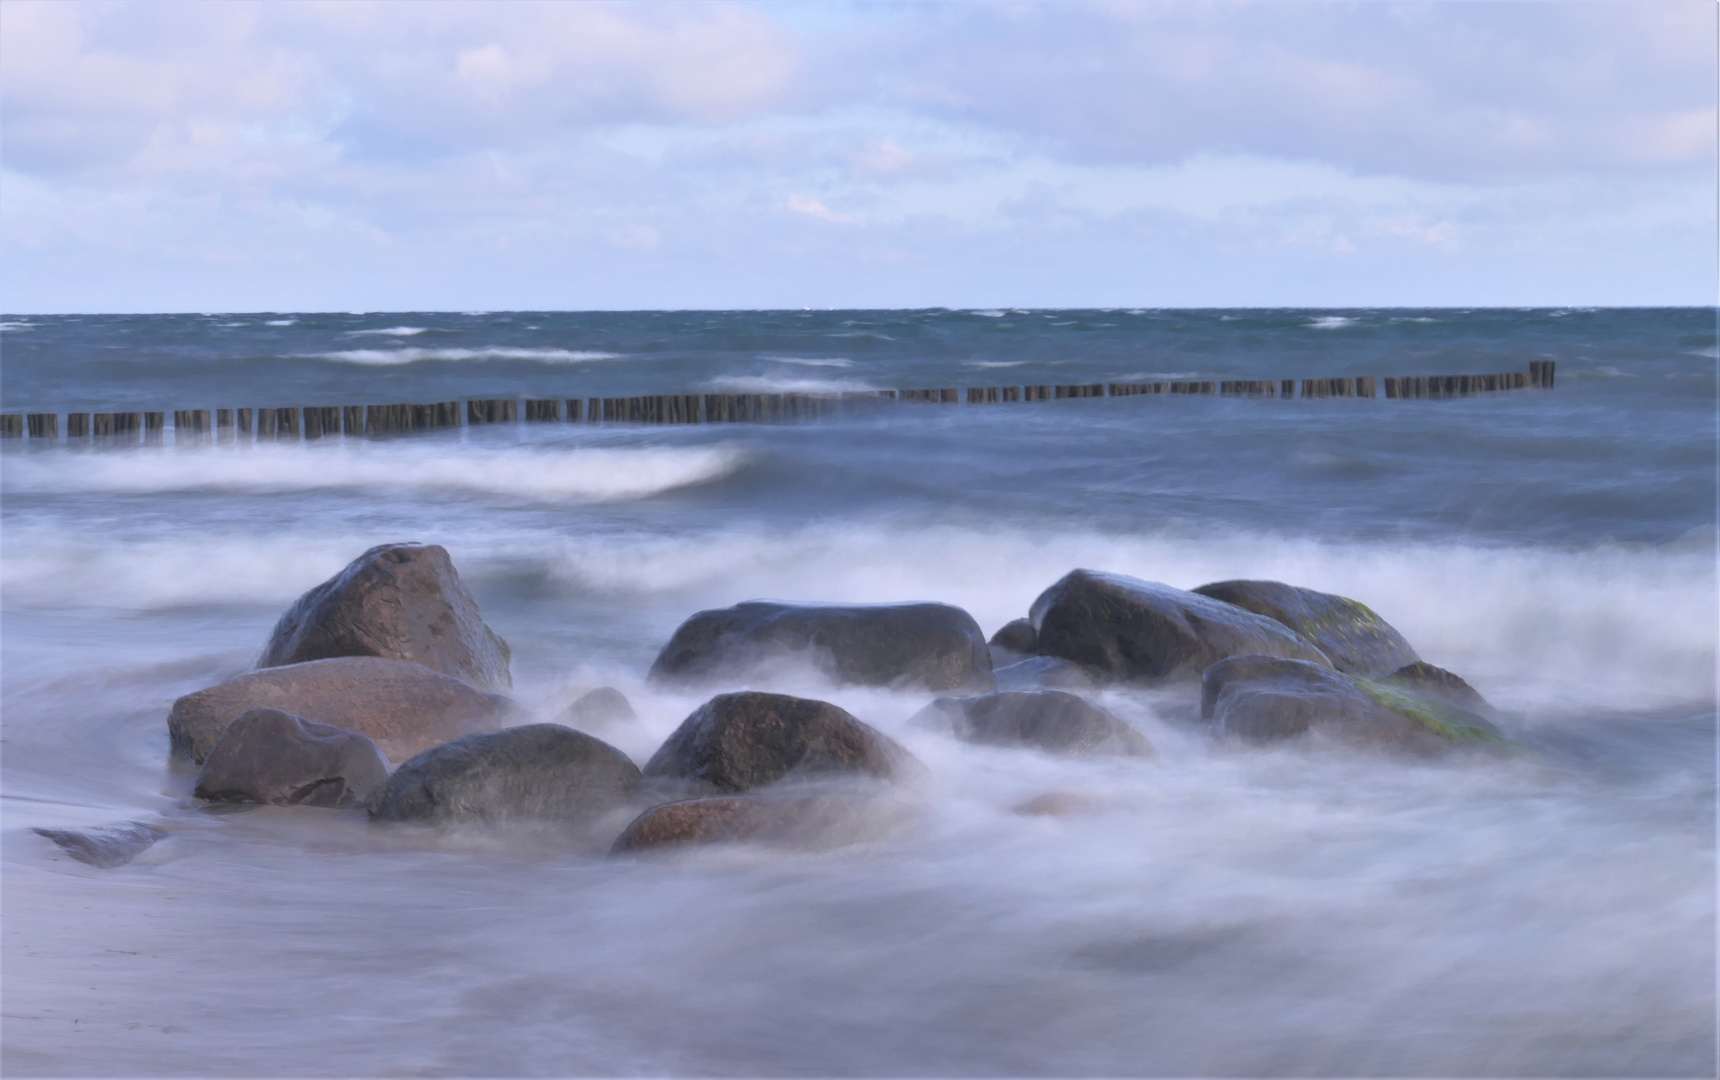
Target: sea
[{"x": 1218, "y": 910}]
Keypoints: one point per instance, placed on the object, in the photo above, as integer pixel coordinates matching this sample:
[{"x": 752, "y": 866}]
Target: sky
[{"x": 334, "y": 155}]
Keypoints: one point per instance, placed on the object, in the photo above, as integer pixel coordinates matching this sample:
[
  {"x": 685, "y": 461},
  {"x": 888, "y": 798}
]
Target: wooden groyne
[{"x": 196, "y": 427}]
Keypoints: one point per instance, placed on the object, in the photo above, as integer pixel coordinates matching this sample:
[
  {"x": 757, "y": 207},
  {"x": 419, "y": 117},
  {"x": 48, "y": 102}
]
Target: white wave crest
[
  {"x": 1331, "y": 322},
  {"x": 281, "y": 322},
  {"x": 386, "y": 357},
  {"x": 780, "y": 384},
  {"x": 19, "y": 325},
  {"x": 555, "y": 475},
  {"x": 391, "y": 331},
  {"x": 995, "y": 363}
]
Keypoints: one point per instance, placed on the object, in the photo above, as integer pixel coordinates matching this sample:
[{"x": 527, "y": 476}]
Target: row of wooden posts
[{"x": 193, "y": 426}]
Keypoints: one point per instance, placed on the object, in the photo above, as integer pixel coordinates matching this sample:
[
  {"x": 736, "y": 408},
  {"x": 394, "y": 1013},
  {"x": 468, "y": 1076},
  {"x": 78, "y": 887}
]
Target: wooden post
[
  {"x": 12, "y": 426},
  {"x": 541, "y": 412},
  {"x": 313, "y": 423},
  {"x": 265, "y": 425},
  {"x": 574, "y": 410},
  {"x": 154, "y": 428},
  {"x": 287, "y": 424},
  {"x": 45, "y": 426},
  {"x": 78, "y": 427},
  {"x": 1036, "y": 393},
  {"x": 190, "y": 427}
]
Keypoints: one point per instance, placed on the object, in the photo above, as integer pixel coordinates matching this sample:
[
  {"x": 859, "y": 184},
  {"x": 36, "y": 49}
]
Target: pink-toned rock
[{"x": 404, "y": 708}]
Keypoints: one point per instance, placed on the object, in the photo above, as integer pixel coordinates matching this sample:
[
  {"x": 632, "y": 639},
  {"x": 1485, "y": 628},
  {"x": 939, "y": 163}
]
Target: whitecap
[
  {"x": 281, "y": 322},
  {"x": 995, "y": 363},
  {"x": 1331, "y": 322},
  {"x": 990, "y": 313},
  {"x": 19, "y": 325},
  {"x": 392, "y": 331},
  {"x": 385, "y": 357},
  {"x": 552, "y": 475},
  {"x": 780, "y": 384}
]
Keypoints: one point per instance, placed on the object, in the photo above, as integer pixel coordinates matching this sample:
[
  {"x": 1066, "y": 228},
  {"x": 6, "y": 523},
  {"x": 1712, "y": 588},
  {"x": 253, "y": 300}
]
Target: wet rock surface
[
  {"x": 1044, "y": 673},
  {"x": 539, "y": 772},
  {"x": 397, "y": 602},
  {"x": 1052, "y": 720},
  {"x": 1016, "y": 635},
  {"x": 802, "y": 816},
  {"x": 1128, "y": 629},
  {"x": 1422, "y": 677},
  {"x": 736, "y": 742},
  {"x": 106, "y": 846},
  {"x": 1265, "y": 699},
  {"x": 404, "y": 708},
  {"x": 269, "y": 756},
  {"x": 1353, "y": 638},
  {"x": 928, "y": 646}
]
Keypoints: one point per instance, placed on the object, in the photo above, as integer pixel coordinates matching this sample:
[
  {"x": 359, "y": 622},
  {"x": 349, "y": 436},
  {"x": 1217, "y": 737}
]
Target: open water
[{"x": 1222, "y": 911}]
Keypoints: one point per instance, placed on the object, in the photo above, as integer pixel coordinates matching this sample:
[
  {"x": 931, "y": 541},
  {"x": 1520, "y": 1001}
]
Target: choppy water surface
[{"x": 1223, "y": 912}]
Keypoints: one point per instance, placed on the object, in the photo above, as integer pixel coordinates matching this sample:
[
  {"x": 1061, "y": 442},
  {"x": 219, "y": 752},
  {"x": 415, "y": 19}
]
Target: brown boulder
[
  {"x": 738, "y": 741},
  {"x": 403, "y": 708},
  {"x": 398, "y": 602},
  {"x": 804, "y": 816}
]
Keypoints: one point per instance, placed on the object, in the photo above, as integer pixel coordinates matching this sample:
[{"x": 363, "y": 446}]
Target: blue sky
[{"x": 349, "y": 155}]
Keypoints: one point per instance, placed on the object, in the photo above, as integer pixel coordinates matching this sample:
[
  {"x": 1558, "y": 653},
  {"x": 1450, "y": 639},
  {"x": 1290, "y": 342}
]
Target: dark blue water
[{"x": 1263, "y": 913}]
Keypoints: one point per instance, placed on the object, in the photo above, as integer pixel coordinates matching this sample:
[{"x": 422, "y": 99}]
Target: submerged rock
[
  {"x": 269, "y": 756},
  {"x": 403, "y": 708},
  {"x": 1353, "y": 638},
  {"x": 1046, "y": 719},
  {"x": 106, "y": 846},
  {"x": 1016, "y": 635},
  {"x": 1044, "y": 673},
  {"x": 929, "y": 646},
  {"x": 1126, "y": 628},
  {"x": 812, "y": 816},
  {"x": 1267, "y": 699},
  {"x": 598, "y": 708},
  {"x": 735, "y": 742},
  {"x": 541, "y": 772},
  {"x": 397, "y": 602}
]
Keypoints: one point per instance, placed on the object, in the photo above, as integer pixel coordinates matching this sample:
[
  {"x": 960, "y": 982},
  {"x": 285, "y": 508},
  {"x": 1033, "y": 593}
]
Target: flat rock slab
[
  {"x": 1129, "y": 629},
  {"x": 801, "y": 817},
  {"x": 404, "y": 708},
  {"x": 269, "y": 756},
  {"x": 106, "y": 846},
  {"x": 1263, "y": 699},
  {"x": 398, "y": 602},
  {"x": 539, "y": 772},
  {"x": 1044, "y": 719},
  {"x": 1355, "y": 639},
  {"x": 923, "y": 646},
  {"x": 735, "y": 742}
]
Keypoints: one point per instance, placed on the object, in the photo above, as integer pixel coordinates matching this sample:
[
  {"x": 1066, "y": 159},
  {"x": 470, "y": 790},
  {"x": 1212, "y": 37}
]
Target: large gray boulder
[
  {"x": 735, "y": 742},
  {"x": 1264, "y": 699},
  {"x": 923, "y": 646},
  {"x": 1043, "y": 673},
  {"x": 1045, "y": 719},
  {"x": 403, "y": 708},
  {"x": 1016, "y": 636},
  {"x": 597, "y": 709},
  {"x": 398, "y": 602},
  {"x": 269, "y": 756},
  {"x": 801, "y": 816},
  {"x": 1353, "y": 638},
  {"x": 539, "y": 772},
  {"x": 1423, "y": 678},
  {"x": 1128, "y": 629}
]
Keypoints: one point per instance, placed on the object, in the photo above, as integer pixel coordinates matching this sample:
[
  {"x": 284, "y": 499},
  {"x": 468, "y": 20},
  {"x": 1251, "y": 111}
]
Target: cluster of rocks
[{"x": 381, "y": 689}]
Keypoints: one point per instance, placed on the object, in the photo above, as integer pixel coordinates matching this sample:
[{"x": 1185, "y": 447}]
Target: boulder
[
  {"x": 598, "y": 708},
  {"x": 1423, "y": 678},
  {"x": 1047, "y": 719},
  {"x": 1016, "y": 635},
  {"x": 927, "y": 646},
  {"x": 403, "y": 708},
  {"x": 1266, "y": 699},
  {"x": 1125, "y": 628},
  {"x": 539, "y": 772},
  {"x": 1353, "y": 638},
  {"x": 1056, "y": 804},
  {"x": 398, "y": 602},
  {"x": 106, "y": 846},
  {"x": 269, "y": 756},
  {"x": 1044, "y": 673},
  {"x": 735, "y": 742},
  {"x": 811, "y": 816}
]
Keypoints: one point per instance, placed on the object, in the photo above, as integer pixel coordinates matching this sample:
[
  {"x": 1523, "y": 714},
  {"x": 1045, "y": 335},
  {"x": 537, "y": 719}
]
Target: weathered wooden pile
[{"x": 194, "y": 427}]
